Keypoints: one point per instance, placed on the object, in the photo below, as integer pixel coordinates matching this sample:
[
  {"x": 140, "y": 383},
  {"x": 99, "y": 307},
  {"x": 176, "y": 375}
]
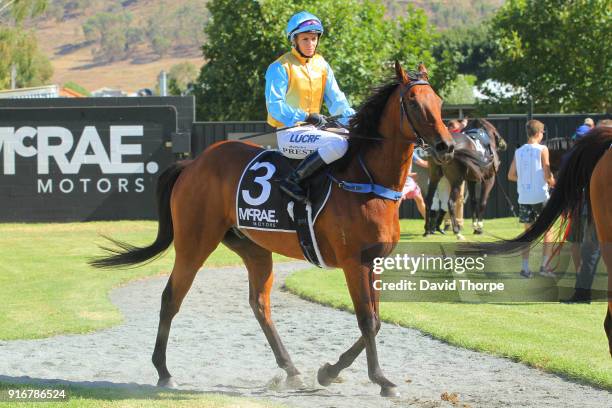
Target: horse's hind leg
[
  {"x": 472, "y": 194},
  {"x": 452, "y": 199},
  {"x": 258, "y": 262},
  {"x": 189, "y": 258},
  {"x": 487, "y": 186}
]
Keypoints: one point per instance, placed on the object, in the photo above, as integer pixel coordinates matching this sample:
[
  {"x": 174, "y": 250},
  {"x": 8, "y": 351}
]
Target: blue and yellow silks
[{"x": 297, "y": 86}]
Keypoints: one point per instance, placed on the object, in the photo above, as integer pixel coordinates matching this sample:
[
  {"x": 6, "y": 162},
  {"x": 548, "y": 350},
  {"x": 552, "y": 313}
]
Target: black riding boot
[
  {"x": 292, "y": 184},
  {"x": 439, "y": 220}
]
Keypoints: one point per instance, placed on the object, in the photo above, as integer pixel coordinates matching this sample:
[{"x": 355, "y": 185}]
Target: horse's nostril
[
  {"x": 451, "y": 148},
  {"x": 442, "y": 147}
]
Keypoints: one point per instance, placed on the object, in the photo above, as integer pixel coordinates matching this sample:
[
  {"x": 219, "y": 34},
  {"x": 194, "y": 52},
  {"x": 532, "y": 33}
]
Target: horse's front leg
[
  {"x": 434, "y": 179},
  {"x": 365, "y": 301}
]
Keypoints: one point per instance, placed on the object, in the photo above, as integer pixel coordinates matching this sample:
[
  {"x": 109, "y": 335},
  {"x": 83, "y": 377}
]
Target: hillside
[
  {"x": 160, "y": 33},
  {"x": 73, "y": 58}
]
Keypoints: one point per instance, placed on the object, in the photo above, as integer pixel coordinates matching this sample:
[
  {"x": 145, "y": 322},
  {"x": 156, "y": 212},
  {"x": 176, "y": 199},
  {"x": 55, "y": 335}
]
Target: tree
[
  {"x": 464, "y": 50},
  {"x": 19, "y": 48},
  {"x": 113, "y": 33},
  {"x": 180, "y": 77},
  {"x": 244, "y": 37},
  {"x": 460, "y": 91},
  {"x": 557, "y": 52}
]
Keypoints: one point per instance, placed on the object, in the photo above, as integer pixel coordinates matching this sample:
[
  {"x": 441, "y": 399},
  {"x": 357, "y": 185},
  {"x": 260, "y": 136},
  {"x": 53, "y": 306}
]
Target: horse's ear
[
  {"x": 400, "y": 73},
  {"x": 423, "y": 71}
]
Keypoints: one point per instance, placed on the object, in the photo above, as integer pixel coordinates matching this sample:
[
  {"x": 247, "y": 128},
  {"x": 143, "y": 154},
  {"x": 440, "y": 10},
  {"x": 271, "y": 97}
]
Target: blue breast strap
[{"x": 363, "y": 188}]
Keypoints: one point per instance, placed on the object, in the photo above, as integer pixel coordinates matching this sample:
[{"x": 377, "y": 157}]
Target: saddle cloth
[{"x": 261, "y": 205}]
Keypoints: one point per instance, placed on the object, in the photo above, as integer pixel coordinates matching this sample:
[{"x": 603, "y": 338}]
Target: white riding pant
[{"x": 299, "y": 142}]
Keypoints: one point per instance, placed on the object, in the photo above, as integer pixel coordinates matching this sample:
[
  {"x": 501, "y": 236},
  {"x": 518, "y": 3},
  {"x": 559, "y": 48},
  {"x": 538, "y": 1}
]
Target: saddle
[
  {"x": 261, "y": 205},
  {"x": 482, "y": 141}
]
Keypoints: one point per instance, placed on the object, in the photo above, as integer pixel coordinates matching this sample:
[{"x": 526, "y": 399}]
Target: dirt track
[{"x": 217, "y": 345}]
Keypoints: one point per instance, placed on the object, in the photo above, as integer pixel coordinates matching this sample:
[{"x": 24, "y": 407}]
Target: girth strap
[{"x": 363, "y": 188}]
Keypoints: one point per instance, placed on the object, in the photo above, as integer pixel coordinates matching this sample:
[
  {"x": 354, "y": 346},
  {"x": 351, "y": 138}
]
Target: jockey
[{"x": 296, "y": 85}]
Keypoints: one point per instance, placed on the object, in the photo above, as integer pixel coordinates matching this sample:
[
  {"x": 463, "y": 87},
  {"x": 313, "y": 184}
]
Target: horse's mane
[{"x": 365, "y": 122}]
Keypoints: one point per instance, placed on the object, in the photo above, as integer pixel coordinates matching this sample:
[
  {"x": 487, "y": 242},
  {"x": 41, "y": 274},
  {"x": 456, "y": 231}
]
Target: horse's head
[{"x": 421, "y": 113}]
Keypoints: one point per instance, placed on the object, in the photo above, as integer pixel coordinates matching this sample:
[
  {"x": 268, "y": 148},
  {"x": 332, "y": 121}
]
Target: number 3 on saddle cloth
[{"x": 261, "y": 205}]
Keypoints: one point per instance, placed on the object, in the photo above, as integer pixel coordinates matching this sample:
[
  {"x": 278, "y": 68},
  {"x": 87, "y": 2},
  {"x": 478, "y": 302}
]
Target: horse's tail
[
  {"x": 127, "y": 254},
  {"x": 473, "y": 161},
  {"x": 568, "y": 197}
]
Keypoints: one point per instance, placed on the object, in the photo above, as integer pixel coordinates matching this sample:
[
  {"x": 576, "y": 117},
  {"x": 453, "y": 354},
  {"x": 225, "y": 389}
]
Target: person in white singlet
[{"x": 530, "y": 169}]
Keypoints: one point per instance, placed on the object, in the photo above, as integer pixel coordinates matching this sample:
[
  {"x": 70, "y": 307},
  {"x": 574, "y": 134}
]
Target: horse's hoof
[
  {"x": 295, "y": 382},
  {"x": 460, "y": 237},
  {"x": 477, "y": 231},
  {"x": 167, "y": 383},
  {"x": 389, "y": 392},
  {"x": 322, "y": 376}
]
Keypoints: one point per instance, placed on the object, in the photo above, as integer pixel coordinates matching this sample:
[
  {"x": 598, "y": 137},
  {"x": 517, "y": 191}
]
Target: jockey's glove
[{"x": 316, "y": 119}]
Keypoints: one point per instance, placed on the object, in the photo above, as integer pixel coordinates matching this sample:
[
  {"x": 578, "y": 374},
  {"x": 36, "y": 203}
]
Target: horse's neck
[{"x": 389, "y": 162}]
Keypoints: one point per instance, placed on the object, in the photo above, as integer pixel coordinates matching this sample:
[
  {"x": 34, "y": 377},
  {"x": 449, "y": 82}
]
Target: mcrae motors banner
[{"x": 82, "y": 163}]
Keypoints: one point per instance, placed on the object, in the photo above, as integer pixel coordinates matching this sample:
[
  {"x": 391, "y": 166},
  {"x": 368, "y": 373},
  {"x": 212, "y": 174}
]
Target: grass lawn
[
  {"x": 564, "y": 339},
  {"x": 132, "y": 397},
  {"x": 47, "y": 287}
]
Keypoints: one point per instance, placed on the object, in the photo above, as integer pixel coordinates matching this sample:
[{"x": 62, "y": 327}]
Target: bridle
[{"x": 420, "y": 142}]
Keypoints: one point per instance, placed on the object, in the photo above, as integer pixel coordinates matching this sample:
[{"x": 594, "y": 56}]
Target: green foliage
[
  {"x": 19, "y": 48},
  {"x": 460, "y": 91},
  {"x": 465, "y": 50},
  {"x": 244, "y": 37},
  {"x": 23, "y": 9},
  {"x": 558, "y": 52},
  {"x": 113, "y": 33},
  {"x": 180, "y": 77},
  {"x": 77, "y": 88}
]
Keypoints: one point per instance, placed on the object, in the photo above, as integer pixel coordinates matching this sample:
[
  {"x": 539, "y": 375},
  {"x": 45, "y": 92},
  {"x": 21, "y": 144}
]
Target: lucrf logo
[{"x": 54, "y": 143}]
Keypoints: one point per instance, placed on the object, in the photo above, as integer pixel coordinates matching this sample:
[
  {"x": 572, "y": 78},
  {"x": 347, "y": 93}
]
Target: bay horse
[
  {"x": 469, "y": 165},
  {"x": 196, "y": 208},
  {"x": 584, "y": 177}
]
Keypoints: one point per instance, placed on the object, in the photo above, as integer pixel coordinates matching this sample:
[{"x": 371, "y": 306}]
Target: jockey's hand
[{"x": 316, "y": 119}]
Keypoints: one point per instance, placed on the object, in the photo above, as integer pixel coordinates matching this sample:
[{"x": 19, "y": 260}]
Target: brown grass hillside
[
  {"x": 71, "y": 55},
  {"x": 64, "y": 42}
]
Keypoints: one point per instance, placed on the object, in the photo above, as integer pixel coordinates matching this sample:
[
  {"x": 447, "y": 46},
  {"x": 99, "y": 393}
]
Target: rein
[{"x": 377, "y": 189}]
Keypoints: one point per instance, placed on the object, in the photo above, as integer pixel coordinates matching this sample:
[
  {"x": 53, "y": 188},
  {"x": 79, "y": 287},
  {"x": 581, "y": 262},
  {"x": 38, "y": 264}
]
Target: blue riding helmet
[{"x": 303, "y": 22}]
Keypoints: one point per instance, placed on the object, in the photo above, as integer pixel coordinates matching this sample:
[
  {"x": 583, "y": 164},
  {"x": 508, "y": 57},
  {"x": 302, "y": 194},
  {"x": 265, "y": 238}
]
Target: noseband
[{"x": 404, "y": 112}]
